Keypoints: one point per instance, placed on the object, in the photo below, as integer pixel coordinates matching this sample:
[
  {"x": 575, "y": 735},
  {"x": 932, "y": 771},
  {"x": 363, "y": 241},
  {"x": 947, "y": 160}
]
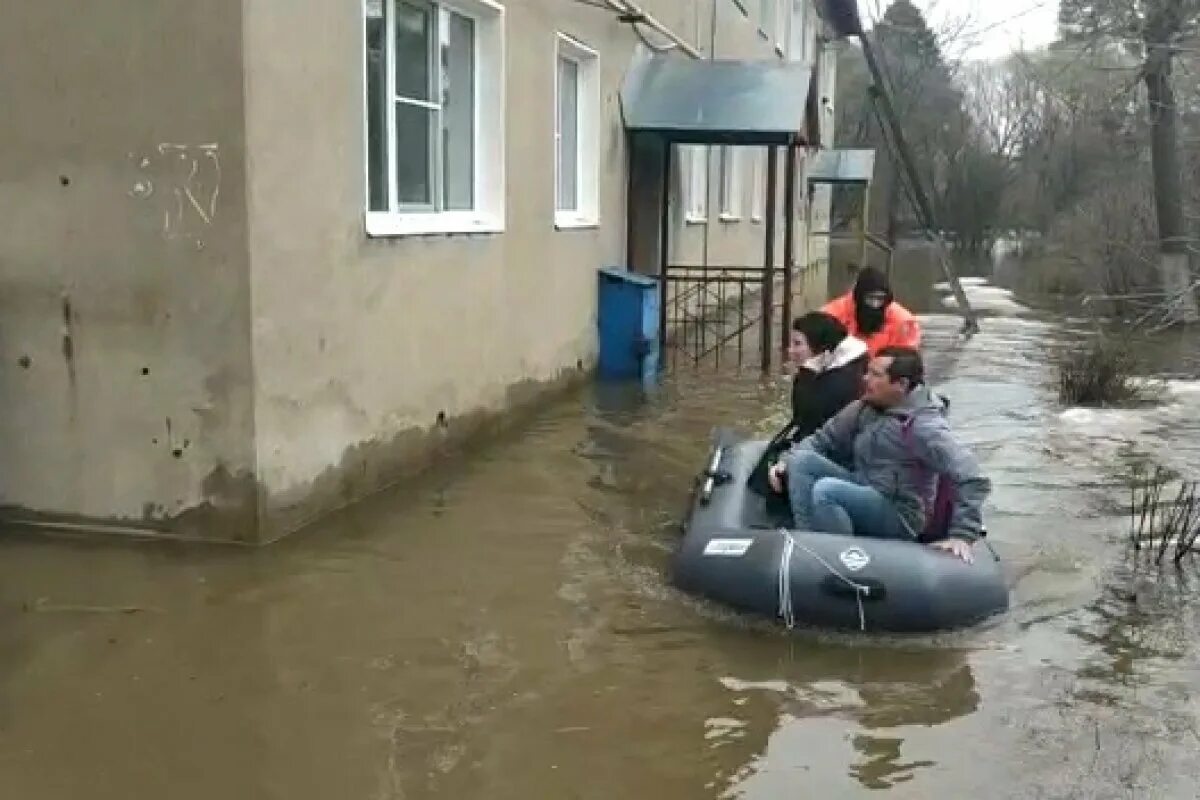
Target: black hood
[{"x": 870, "y": 320}]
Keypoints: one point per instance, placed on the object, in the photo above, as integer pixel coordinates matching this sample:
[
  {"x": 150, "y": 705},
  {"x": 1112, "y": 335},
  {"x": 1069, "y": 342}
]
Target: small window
[
  {"x": 576, "y": 135},
  {"x": 694, "y": 162},
  {"x": 758, "y": 182},
  {"x": 782, "y": 26},
  {"x": 798, "y": 31},
  {"x": 766, "y": 18},
  {"x": 731, "y": 182},
  {"x": 434, "y": 105},
  {"x": 828, "y": 89}
]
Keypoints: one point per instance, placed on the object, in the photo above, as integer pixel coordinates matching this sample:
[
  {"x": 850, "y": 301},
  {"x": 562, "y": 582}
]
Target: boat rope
[
  {"x": 785, "y": 580},
  {"x": 786, "y": 609}
]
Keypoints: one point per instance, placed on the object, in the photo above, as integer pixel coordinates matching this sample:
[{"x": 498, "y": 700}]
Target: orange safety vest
[{"x": 900, "y": 326}]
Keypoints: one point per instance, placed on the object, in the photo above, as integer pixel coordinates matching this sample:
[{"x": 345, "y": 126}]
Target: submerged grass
[
  {"x": 1157, "y": 523},
  {"x": 1101, "y": 373}
]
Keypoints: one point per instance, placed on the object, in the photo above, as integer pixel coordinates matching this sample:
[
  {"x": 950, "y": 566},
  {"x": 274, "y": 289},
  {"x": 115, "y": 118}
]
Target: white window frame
[
  {"x": 694, "y": 160},
  {"x": 731, "y": 182},
  {"x": 586, "y": 214},
  {"x": 487, "y": 216}
]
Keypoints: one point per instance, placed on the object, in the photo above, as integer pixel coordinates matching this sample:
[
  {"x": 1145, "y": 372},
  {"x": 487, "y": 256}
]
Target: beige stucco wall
[
  {"x": 360, "y": 344},
  {"x": 124, "y": 295},
  {"x": 197, "y": 336}
]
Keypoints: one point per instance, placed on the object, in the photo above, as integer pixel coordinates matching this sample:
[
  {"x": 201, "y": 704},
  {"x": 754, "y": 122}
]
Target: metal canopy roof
[
  {"x": 846, "y": 167},
  {"x": 692, "y": 101}
]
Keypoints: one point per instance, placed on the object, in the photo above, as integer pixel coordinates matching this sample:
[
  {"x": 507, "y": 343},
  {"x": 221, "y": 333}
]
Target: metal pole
[
  {"x": 789, "y": 250},
  {"x": 866, "y": 222},
  {"x": 631, "y": 144},
  {"x": 923, "y": 207},
  {"x": 664, "y": 243},
  {"x": 768, "y": 290}
]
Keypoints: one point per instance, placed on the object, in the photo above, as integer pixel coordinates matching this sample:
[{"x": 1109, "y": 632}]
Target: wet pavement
[{"x": 504, "y": 627}]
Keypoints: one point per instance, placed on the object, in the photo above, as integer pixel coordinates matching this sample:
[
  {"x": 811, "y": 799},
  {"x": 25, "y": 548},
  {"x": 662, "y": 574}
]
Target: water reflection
[
  {"x": 1136, "y": 628},
  {"x": 879, "y": 697},
  {"x": 882, "y": 767}
]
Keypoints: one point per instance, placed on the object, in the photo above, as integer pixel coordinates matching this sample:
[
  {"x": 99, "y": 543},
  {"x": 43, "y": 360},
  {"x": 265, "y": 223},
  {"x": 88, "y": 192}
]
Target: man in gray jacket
[{"x": 899, "y": 442}]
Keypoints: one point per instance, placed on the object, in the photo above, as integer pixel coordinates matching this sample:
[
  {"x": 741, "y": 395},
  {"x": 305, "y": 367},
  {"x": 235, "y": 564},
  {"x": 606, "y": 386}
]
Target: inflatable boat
[{"x": 732, "y": 553}]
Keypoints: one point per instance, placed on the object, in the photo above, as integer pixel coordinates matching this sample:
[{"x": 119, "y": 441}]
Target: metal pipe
[
  {"x": 629, "y": 8},
  {"x": 789, "y": 249},
  {"x": 664, "y": 252},
  {"x": 768, "y": 290}
]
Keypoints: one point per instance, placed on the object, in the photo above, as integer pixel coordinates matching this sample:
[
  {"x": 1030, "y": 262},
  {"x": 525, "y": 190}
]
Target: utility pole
[{"x": 843, "y": 16}]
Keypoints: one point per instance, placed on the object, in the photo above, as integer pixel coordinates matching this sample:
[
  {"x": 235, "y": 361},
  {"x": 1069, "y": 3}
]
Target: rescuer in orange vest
[{"x": 871, "y": 313}]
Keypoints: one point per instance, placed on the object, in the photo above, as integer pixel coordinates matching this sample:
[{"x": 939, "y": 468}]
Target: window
[
  {"x": 798, "y": 31},
  {"x": 576, "y": 135},
  {"x": 783, "y": 16},
  {"x": 766, "y": 18},
  {"x": 434, "y": 104},
  {"x": 828, "y": 89},
  {"x": 758, "y": 183},
  {"x": 694, "y": 161},
  {"x": 731, "y": 182}
]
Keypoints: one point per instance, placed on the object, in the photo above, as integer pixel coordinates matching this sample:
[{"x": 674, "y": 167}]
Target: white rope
[
  {"x": 785, "y": 583},
  {"x": 785, "y": 580}
]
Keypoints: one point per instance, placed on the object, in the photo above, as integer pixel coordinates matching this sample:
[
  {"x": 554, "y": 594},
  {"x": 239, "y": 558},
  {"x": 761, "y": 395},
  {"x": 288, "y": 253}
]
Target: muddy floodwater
[{"x": 505, "y": 628}]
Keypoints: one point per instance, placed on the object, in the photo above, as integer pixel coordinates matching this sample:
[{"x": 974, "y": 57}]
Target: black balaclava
[{"x": 870, "y": 320}]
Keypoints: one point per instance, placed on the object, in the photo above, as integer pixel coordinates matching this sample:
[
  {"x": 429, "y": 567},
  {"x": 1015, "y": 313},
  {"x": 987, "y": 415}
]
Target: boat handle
[
  {"x": 713, "y": 476},
  {"x": 870, "y": 589}
]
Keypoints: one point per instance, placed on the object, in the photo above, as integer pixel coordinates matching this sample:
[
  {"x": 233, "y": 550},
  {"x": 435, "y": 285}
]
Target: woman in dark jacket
[{"x": 830, "y": 365}]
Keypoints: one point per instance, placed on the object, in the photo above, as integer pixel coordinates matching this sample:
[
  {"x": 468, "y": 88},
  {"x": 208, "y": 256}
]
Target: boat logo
[
  {"x": 855, "y": 558},
  {"x": 730, "y": 548}
]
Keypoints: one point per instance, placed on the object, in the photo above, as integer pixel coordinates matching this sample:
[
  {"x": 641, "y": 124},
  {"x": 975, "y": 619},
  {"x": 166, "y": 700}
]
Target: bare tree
[{"x": 1154, "y": 30}]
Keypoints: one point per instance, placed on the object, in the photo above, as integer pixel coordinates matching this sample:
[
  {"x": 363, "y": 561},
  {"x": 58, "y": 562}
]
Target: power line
[{"x": 1001, "y": 23}]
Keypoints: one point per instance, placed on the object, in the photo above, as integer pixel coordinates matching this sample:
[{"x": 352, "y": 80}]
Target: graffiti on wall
[{"x": 183, "y": 183}]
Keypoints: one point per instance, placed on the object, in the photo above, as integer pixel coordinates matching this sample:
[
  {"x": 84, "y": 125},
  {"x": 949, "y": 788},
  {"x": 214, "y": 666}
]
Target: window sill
[
  {"x": 575, "y": 222},
  {"x": 730, "y": 218},
  {"x": 692, "y": 219},
  {"x": 382, "y": 224}
]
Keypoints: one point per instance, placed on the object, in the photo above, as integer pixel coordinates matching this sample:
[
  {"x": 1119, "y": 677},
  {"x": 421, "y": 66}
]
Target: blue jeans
[{"x": 827, "y": 498}]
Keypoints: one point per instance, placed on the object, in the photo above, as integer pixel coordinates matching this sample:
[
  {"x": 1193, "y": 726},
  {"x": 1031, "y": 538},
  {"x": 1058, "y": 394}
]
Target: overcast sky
[{"x": 993, "y": 28}]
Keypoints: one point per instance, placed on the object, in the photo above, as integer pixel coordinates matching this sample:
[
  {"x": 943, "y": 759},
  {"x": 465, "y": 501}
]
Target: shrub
[{"x": 1100, "y": 373}]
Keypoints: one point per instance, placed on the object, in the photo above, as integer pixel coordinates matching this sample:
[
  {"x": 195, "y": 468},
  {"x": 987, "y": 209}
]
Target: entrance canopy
[{"x": 692, "y": 101}]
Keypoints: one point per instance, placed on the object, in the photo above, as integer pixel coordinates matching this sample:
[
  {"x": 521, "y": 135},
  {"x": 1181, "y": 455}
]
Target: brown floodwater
[{"x": 504, "y": 627}]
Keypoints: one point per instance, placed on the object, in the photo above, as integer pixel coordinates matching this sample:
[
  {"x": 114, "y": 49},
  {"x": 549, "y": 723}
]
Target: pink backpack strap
[{"x": 906, "y": 435}]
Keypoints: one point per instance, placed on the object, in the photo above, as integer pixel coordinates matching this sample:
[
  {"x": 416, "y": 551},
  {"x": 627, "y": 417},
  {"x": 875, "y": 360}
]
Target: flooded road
[{"x": 504, "y": 627}]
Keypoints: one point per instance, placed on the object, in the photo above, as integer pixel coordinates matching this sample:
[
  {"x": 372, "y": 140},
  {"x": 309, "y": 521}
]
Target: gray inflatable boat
[{"x": 732, "y": 554}]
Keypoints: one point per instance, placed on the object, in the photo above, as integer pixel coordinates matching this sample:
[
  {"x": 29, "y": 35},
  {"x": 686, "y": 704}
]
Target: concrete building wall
[
  {"x": 369, "y": 351},
  {"x": 125, "y": 362},
  {"x": 197, "y": 334}
]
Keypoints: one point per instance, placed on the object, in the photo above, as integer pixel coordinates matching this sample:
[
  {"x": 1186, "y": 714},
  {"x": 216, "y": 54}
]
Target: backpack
[{"x": 939, "y": 513}]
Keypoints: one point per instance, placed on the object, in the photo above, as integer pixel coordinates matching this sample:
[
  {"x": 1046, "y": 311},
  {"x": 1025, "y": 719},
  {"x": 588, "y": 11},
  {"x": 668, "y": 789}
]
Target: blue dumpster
[{"x": 627, "y": 316}]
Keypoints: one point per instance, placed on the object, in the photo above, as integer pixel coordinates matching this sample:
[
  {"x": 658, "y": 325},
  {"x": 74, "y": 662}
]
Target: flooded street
[{"x": 504, "y": 627}]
